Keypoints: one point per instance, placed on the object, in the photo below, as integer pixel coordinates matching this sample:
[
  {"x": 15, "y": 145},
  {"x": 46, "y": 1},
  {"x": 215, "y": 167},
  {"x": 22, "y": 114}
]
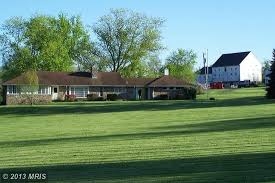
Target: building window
[
  {"x": 119, "y": 90},
  {"x": 55, "y": 89},
  {"x": 225, "y": 69},
  {"x": 116, "y": 90},
  {"x": 12, "y": 89},
  {"x": 44, "y": 90},
  {"x": 79, "y": 92}
]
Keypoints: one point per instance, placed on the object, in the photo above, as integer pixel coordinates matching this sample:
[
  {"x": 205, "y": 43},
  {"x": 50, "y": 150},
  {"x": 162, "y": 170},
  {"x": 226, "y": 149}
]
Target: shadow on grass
[
  {"x": 225, "y": 125},
  {"x": 253, "y": 167},
  {"x": 111, "y": 107},
  {"x": 188, "y": 129}
]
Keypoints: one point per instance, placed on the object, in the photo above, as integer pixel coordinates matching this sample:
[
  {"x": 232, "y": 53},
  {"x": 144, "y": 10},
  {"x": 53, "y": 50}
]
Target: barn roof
[{"x": 231, "y": 59}]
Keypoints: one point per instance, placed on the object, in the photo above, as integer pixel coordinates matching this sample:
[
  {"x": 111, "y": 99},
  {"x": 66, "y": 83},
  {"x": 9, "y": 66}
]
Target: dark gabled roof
[
  {"x": 73, "y": 78},
  {"x": 160, "y": 81},
  {"x": 139, "y": 81},
  {"x": 202, "y": 71},
  {"x": 230, "y": 59},
  {"x": 102, "y": 79},
  {"x": 167, "y": 81}
]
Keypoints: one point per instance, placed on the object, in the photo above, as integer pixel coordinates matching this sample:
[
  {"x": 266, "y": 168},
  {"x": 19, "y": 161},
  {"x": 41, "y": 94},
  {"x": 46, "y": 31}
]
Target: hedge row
[
  {"x": 95, "y": 97},
  {"x": 187, "y": 93}
]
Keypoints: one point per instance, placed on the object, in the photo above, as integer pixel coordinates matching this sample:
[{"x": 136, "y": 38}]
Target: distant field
[{"x": 231, "y": 139}]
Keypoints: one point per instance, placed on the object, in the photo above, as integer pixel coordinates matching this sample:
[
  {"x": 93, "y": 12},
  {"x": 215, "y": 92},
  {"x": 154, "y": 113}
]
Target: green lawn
[{"x": 231, "y": 139}]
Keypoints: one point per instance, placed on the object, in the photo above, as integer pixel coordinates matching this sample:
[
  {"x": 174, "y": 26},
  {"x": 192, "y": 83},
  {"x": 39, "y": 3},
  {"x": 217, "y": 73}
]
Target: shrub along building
[{"x": 59, "y": 85}]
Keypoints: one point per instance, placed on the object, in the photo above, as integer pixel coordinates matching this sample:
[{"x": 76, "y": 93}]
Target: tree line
[
  {"x": 122, "y": 41},
  {"x": 270, "y": 89}
]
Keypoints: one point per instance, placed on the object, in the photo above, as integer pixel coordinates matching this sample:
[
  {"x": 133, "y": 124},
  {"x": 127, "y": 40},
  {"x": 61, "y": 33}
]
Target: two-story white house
[{"x": 236, "y": 67}]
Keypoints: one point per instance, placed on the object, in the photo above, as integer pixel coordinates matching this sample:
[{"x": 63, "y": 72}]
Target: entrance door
[{"x": 55, "y": 93}]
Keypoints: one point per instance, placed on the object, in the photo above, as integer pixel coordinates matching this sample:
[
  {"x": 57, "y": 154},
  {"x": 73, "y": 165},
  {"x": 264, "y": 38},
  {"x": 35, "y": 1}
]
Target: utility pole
[
  {"x": 207, "y": 74},
  {"x": 205, "y": 62}
]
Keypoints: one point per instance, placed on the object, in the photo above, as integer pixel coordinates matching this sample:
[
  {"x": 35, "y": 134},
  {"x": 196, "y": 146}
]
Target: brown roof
[
  {"x": 139, "y": 81},
  {"x": 102, "y": 79},
  {"x": 73, "y": 78},
  {"x": 168, "y": 81},
  {"x": 160, "y": 81}
]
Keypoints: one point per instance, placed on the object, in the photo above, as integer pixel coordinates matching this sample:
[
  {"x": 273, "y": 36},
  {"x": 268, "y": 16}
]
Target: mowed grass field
[{"x": 231, "y": 139}]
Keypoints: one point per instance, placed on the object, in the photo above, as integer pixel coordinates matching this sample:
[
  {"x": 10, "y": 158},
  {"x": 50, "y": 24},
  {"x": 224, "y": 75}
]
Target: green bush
[
  {"x": 112, "y": 97},
  {"x": 92, "y": 97},
  {"x": 70, "y": 98},
  {"x": 162, "y": 97},
  {"x": 180, "y": 97},
  {"x": 1, "y": 94},
  {"x": 187, "y": 93},
  {"x": 100, "y": 99}
]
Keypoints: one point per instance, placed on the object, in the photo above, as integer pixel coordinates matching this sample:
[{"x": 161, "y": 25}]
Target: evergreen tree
[{"x": 271, "y": 84}]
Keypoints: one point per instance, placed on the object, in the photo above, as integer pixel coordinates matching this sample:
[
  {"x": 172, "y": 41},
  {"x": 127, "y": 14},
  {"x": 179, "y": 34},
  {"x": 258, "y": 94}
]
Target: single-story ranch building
[{"x": 57, "y": 85}]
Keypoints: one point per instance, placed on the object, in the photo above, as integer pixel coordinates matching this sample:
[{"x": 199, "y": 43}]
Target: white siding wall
[
  {"x": 251, "y": 69},
  {"x": 226, "y": 74},
  {"x": 201, "y": 78}
]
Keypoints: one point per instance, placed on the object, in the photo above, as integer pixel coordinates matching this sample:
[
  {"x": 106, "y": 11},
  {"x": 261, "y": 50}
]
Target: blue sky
[{"x": 219, "y": 26}]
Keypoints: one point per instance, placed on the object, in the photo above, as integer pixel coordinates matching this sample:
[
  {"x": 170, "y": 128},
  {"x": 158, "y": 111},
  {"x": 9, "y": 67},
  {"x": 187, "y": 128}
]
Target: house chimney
[
  {"x": 166, "y": 72},
  {"x": 93, "y": 72}
]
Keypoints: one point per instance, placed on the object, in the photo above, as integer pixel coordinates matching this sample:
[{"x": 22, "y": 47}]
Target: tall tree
[
  {"x": 30, "y": 85},
  {"x": 136, "y": 69},
  {"x": 88, "y": 60},
  {"x": 125, "y": 37},
  {"x": 153, "y": 66},
  {"x": 181, "y": 64},
  {"x": 271, "y": 84},
  {"x": 12, "y": 40},
  {"x": 149, "y": 67},
  {"x": 43, "y": 43},
  {"x": 266, "y": 65}
]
